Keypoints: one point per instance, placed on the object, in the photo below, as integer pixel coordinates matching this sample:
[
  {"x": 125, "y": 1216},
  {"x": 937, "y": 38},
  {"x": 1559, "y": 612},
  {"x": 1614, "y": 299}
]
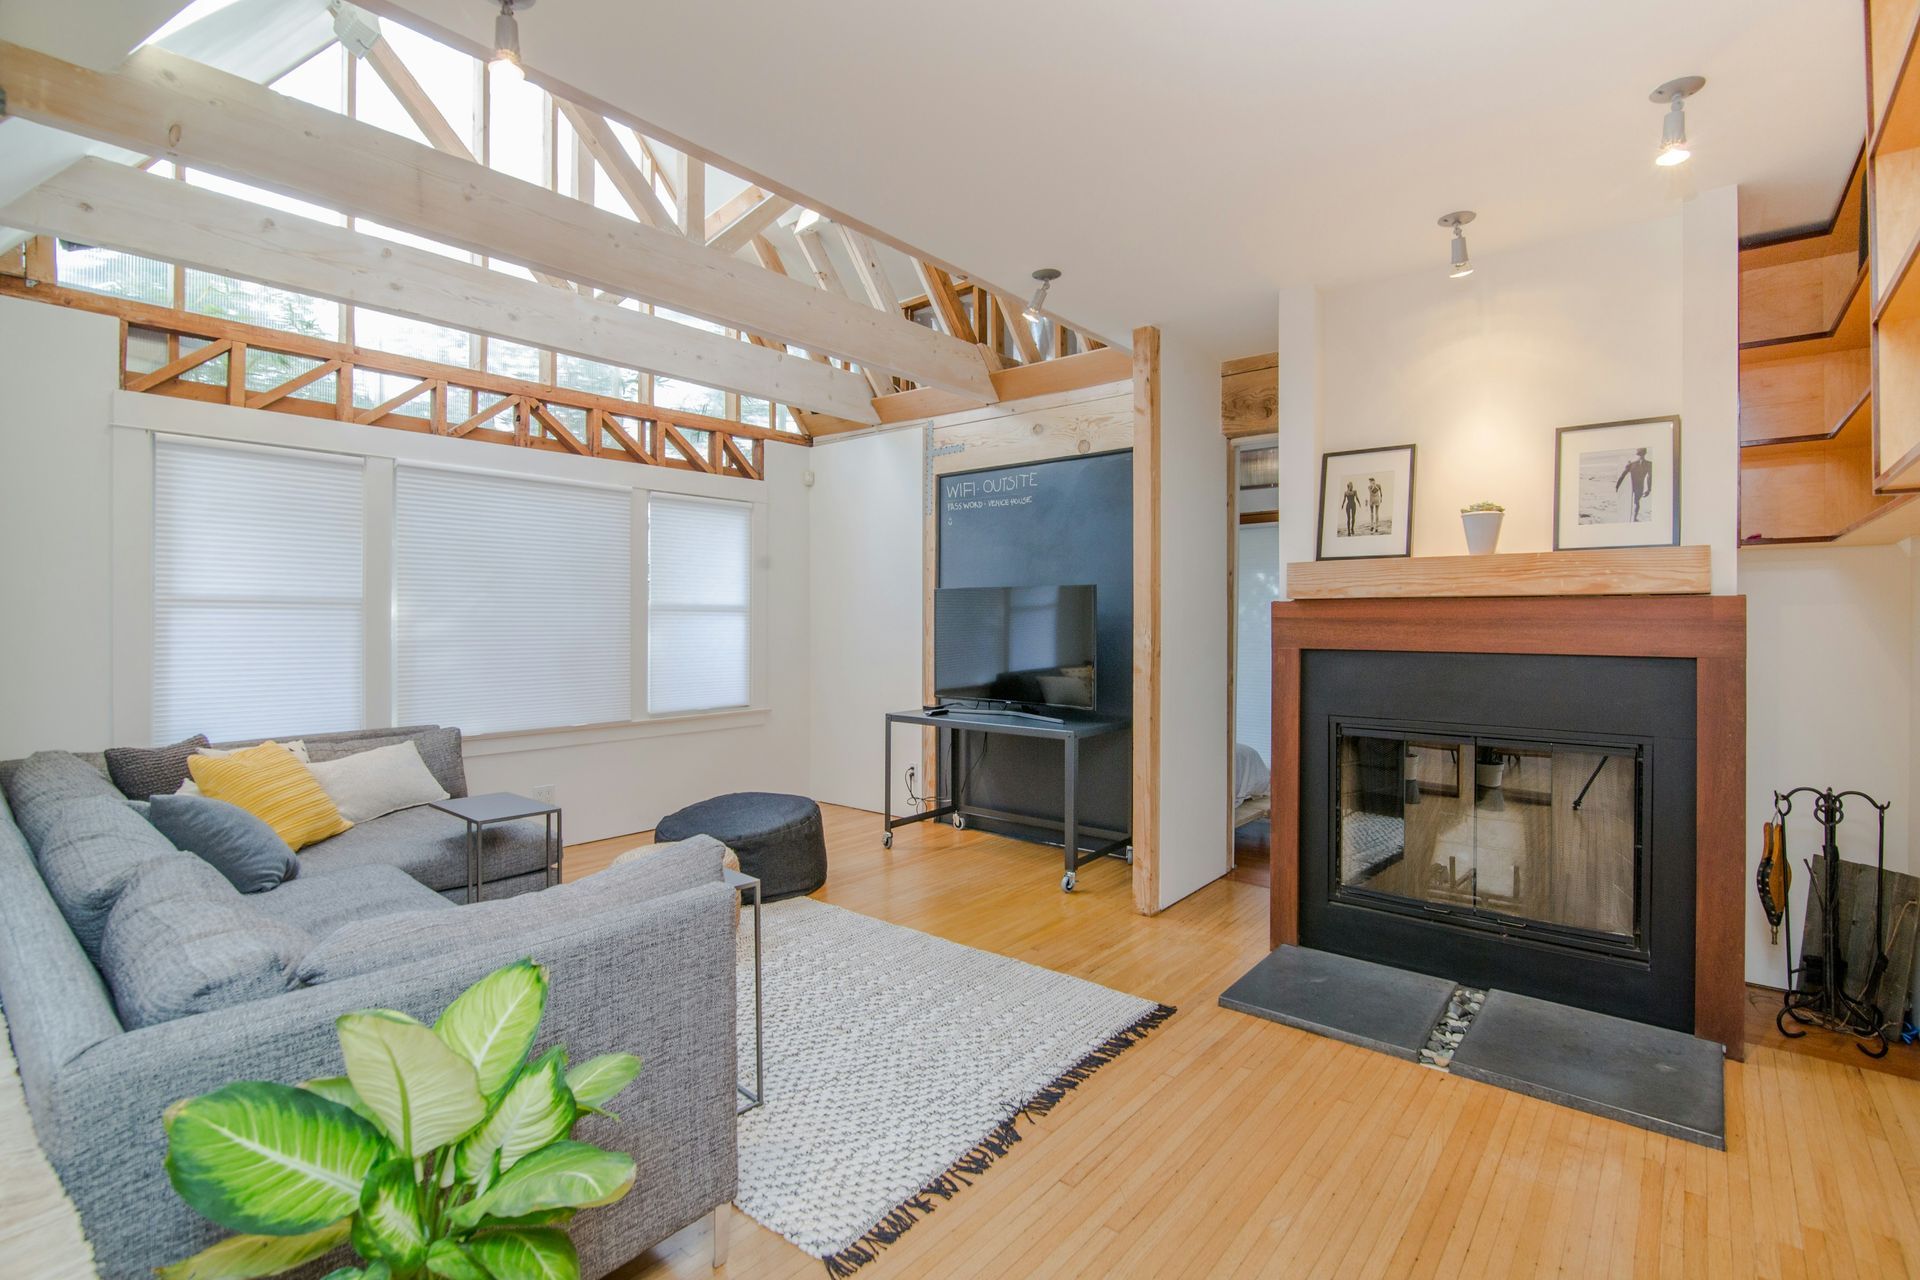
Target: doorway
[{"x": 1254, "y": 584}]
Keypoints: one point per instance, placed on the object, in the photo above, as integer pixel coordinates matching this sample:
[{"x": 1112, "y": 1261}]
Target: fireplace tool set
[{"x": 1817, "y": 993}]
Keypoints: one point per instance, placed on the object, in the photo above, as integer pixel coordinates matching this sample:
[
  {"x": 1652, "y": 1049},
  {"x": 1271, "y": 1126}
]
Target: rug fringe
[{"x": 983, "y": 1155}]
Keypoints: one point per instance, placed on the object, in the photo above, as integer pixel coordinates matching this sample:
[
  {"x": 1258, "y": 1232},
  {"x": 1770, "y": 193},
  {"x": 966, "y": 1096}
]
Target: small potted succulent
[{"x": 1482, "y": 521}]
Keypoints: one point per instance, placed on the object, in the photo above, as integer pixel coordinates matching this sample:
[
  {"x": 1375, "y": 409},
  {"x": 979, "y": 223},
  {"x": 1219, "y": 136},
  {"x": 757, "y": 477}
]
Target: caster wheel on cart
[
  {"x": 1066, "y": 882},
  {"x": 959, "y": 821},
  {"x": 886, "y": 841}
]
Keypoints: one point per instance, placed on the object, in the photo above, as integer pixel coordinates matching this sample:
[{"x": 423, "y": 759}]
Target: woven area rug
[{"x": 899, "y": 1067}]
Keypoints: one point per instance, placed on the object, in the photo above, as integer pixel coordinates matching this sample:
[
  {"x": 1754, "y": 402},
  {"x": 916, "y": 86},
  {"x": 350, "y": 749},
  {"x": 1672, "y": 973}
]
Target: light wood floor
[{"x": 1228, "y": 1146}]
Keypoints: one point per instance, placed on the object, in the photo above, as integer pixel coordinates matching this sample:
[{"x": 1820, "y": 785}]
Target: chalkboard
[{"x": 1064, "y": 522}]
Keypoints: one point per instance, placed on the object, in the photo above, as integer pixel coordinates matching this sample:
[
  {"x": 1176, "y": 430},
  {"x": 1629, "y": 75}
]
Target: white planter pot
[{"x": 1483, "y": 531}]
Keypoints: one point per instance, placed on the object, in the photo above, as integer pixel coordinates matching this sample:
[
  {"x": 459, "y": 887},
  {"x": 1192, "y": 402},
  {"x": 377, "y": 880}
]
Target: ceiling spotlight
[
  {"x": 1046, "y": 276},
  {"x": 506, "y": 37},
  {"x": 1461, "y": 265},
  {"x": 1673, "y": 130}
]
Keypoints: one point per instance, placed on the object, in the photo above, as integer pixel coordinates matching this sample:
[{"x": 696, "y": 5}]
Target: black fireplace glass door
[{"x": 1492, "y": 832}]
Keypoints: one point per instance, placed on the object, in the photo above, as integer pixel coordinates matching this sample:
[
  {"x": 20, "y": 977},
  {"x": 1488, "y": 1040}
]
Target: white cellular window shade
[
  {"x": 699, "y": 594},
  {"x": 513, "y": 605},
  {"x": 257, "y": 617}
]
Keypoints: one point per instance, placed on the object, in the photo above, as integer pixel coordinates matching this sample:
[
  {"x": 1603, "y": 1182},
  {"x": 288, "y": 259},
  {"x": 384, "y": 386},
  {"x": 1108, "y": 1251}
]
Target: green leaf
[
  {"x": 247, "y": 1257},
  {"x": 339, "y": 1089},
  {"x": 270, "y": 1159},
  {"x": 492, "y": 1023},
  {"x": 535, "y": 1110},
  {"x": 598, "y": 1081},
  {"x": 372, "y": 1271},
  {"x": 566, "y": 1175},
  {"x": 544, "y": 1218},
  {"x": 423, "y": 1094},
  {"x": 527, "y": 1253},
  {"x": 450, "y": 1261},
  {"x": 390, "y": 1218}
]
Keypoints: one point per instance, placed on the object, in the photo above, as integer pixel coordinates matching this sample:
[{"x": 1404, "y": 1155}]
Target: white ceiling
[{"x": 1182, "y": 162}]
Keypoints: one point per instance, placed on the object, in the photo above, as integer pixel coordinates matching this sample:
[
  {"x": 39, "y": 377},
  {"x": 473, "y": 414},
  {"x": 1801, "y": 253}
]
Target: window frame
[{"x": 136, "y": 421}]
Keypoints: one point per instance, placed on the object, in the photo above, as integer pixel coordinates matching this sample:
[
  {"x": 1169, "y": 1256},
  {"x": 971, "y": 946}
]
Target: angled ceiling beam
[
  {"x": 99, "y": 202},
  {"x": 813, "y": 247},
  {"x": 739, "y": 233},
  {"x": 866, "y": 265},
  {"x": 1013, "y": 313},
  {"x": 946, "y": 303},
  {"x": 162, "y": 104},
  {"x": 603, "y": 144}
]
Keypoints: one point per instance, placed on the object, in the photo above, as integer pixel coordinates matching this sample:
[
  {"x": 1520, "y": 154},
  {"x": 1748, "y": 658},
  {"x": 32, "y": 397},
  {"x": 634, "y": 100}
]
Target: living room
[{"x": 622, "y": 665}]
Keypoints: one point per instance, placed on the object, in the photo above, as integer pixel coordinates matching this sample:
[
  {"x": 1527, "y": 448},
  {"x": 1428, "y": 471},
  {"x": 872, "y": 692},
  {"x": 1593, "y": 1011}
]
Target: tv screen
[{"x": 1029, "y": 645}]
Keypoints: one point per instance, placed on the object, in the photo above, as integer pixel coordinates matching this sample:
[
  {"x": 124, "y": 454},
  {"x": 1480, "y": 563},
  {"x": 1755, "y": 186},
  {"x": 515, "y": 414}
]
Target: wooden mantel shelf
[{"x": 1626, "y": 571}]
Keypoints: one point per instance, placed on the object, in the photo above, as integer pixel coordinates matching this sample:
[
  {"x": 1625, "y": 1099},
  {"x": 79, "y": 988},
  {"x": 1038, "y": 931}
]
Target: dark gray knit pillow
[{"x": 144, "y": 772}]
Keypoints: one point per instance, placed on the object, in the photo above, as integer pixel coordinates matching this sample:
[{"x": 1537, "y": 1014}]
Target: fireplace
[
  {"x": 1542, "y": 795},
  {"x": 1516, "y": 821}
]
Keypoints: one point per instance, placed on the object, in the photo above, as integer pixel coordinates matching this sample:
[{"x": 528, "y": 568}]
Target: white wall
[
  {"x": 866, "y": 528},
  {"x": 1830, "y": 703},
  {"x": 1195, "y": 807},
  {"x": 1629, "y": 322},
  {"x": 57, "y": 516},
  {"x": 60, "y": 368}
]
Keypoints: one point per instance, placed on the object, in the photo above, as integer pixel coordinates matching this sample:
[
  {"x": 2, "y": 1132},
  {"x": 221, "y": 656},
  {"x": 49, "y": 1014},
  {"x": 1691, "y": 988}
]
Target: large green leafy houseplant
[{"x": 444, "y": 1151}]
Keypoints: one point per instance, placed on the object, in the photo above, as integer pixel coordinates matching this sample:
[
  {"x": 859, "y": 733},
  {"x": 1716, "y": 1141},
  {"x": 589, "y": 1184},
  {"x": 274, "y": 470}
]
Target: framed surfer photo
[
  {"x": 1617, "y": 484},
  {"x": 1366, "y": 504}
]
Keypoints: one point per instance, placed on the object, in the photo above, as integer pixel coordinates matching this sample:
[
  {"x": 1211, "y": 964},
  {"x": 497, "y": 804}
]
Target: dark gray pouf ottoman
[{"x": 778, "y": 838}]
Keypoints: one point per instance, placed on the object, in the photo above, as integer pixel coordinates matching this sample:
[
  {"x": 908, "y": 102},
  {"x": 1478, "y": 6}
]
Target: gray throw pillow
[
  {"x": 180, "y": 942},
  {"x": 240, "y": 846},
  {"x": 140, "y": 772}
]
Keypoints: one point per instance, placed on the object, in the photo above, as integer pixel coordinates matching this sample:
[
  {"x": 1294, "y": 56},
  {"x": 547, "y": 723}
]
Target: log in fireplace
[{"x": 1543, "y": 795}]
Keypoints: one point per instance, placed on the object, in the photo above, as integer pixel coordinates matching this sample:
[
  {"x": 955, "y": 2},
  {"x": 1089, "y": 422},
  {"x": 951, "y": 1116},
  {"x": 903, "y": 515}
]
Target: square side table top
[{"x": 494, "y": 806}]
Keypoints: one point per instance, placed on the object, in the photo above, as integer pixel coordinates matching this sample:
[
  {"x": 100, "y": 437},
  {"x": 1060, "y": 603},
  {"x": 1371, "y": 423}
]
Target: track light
[
  {"x": 1673, "y": 130},
  {"x": 506, "y": 37},
  {"x": 1046, "y": 276},
  {"x": 1461, "y": 265}
]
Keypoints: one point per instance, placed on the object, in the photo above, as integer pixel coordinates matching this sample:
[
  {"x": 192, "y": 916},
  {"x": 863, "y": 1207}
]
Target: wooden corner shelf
[{"x": 1619, "y": 571}]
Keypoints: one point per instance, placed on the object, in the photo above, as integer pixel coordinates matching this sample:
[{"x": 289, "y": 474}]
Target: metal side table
[
  {"x": 756, "y": 1096},
  {"x": 495, "y": 807}
]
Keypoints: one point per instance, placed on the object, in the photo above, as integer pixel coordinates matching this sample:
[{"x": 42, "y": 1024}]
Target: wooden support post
[{"x": 1146, "y": 620}]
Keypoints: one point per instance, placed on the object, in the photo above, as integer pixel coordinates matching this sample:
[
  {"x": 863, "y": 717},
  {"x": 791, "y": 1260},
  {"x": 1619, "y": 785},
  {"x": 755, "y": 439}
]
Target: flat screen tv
[{"x": 1024, "y": 646}]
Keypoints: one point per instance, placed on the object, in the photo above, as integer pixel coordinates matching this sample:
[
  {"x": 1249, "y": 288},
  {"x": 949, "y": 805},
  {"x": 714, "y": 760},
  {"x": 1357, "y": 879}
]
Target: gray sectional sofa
[{"x": 132, "y": 975}]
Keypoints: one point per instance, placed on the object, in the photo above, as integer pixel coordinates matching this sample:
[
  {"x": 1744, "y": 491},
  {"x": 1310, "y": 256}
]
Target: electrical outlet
[{"x": 544, "y": 793}]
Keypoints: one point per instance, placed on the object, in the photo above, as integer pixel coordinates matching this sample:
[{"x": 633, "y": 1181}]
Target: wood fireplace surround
[{"x": 1710, "y": 631}]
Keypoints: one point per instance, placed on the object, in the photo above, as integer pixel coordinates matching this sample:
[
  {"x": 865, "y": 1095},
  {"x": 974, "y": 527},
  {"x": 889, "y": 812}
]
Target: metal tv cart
[{"x": 954, "y": 724}]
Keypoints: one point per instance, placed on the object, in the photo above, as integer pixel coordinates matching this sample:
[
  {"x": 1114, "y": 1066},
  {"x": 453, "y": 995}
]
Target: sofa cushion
[
  {"x": 238, "y": 845},
  {"x": 180, "y": 941},
  {"x": 371, "y": 945},
  {"x": 140, "y": 772},
  {"x": 370, "y": 784},
  {"x": 90, "y": 854},
  {"x": 320, "y": 904},
  {"x": 430, "y": 846},
  {"x": 269, "y": 783},
  {"x": 43, "y": 783},
  {"x": 439, "y": 748}
]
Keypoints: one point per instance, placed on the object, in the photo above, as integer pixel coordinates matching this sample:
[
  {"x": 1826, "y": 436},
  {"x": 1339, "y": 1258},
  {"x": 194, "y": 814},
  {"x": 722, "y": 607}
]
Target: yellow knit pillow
[{"x": 274, "y": 787}]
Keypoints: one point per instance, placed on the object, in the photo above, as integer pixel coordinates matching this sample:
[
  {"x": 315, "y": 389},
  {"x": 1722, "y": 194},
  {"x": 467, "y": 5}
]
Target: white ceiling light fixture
[
  {"x": 506, "y": 37},
  {"x": 1461, "y": 265},
  {"x": 1046, "y": 276},
  {"x": 1673, "y": 130}
]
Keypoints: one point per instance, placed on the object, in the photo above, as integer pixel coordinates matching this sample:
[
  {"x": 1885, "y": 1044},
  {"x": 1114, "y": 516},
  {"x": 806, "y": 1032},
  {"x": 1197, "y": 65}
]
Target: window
[
  {"x": 257, "y": 618},
  {"x": 699, "y": 555},
  {"x": 513, "y": 605}
]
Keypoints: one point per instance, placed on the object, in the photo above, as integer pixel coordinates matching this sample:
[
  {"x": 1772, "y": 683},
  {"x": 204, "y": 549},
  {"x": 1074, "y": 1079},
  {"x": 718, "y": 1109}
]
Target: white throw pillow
[
  {"x": 368, "y": 784},
  {"x": 189, "y": 788}
]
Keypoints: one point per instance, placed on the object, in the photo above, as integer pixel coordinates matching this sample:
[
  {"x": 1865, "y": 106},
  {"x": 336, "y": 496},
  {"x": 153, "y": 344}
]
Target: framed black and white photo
[
  {"x": 1617, "y": 484},
  {"x": 1366, "y": 504}
]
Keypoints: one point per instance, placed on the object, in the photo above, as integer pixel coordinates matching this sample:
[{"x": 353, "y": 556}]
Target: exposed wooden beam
[
  {"x": 686, "y": 449},
  {"x": 1021, "y": 382},
  {"x": 603, "y": 144},
  {"x": 174, "y": 368},
  {"x": 1147, "y": 451},
  {"x": 161, "y": 103},
  {"x": 946, "y": 302},
  {"x": 414, "y": 100},
  {"x": 751, "y": 221},
  {"x": 693, "y": 197},
  {"x": 103, "y": 203},
  {"x": 1013, "y": 315},
  {"x": 866, "y": 265},
  {"x": 813, "y": 247}
]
